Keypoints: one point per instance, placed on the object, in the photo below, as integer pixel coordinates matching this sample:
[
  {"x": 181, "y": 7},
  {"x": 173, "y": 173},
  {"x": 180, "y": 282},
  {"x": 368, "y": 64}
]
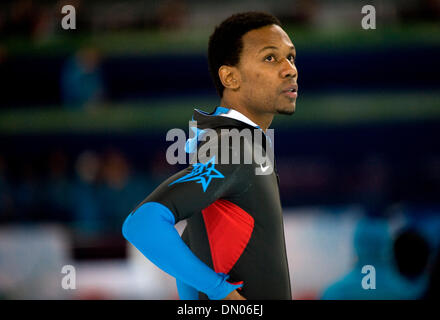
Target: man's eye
[
  {"x": 292, "y": 58},
  {"x": 269, "y": 58}
]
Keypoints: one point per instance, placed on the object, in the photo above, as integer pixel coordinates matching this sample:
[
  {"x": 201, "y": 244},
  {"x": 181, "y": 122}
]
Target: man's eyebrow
[{"x": 276, "y": 48}]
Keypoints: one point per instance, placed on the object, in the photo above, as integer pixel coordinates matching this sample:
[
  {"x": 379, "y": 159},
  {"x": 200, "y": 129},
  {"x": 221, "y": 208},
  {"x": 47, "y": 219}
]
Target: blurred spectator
[
  {"x": 28, "y": 194},
  {"x": 422, "y": 10},
  {"x": 118, "y": 192},
  {"x": 26, "y": 18},
  {"x": 21, "y": 18},
  {"x": 58, "y": 187},
  {"x": 81, "y": 79},
  {"x": 172, "y": 15},
  {"x": 373, "y": 246},
  {"x": 87, "y": 220},
  {"x": 45, "y": 22},
  {"x": 300, "y": 12}
]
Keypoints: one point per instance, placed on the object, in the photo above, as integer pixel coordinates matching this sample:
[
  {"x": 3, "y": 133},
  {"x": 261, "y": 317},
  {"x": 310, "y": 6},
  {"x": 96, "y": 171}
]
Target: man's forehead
[{"x": 272, "y": 35}]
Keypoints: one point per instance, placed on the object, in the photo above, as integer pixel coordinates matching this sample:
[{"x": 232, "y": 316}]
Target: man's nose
[{"x": 288, "y": 70}]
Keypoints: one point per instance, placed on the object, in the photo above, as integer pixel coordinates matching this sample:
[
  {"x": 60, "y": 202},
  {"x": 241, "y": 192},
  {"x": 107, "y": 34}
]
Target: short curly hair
[{"x": 225, "y": 43}]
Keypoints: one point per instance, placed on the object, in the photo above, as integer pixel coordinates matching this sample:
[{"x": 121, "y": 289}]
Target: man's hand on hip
[{"x": 234, "y": 295}]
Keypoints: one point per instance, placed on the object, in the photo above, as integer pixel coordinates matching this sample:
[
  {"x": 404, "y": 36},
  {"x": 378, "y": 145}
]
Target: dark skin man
[{"x": 264, "y": 82}]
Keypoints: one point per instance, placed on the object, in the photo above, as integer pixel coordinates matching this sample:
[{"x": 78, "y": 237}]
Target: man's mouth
[{"x": 291, "y": 91}]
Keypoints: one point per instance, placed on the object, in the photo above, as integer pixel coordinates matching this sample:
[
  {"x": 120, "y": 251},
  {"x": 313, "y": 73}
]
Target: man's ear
[{"x": 230, "y": 77}]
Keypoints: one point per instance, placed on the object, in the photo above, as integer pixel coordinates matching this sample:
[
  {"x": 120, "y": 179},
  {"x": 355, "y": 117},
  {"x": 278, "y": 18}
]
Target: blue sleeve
[{"x": 151, "y": 230}]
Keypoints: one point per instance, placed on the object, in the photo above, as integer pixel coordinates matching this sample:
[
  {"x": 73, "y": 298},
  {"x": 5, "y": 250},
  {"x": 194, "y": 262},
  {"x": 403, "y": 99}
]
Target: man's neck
[{"x": 263, "y": 120}]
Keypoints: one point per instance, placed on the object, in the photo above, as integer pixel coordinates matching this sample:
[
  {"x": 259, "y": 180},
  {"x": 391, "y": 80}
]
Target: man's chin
[{"x": 288, "y": 112}]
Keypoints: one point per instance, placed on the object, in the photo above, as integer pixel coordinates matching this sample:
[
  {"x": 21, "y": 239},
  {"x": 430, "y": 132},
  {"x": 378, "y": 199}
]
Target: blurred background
[{"x": 84, "y": 115}]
